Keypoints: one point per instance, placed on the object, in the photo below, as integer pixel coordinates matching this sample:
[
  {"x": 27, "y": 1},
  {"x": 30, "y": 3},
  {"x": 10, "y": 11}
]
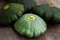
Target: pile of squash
[{"x": 29, "y": 18}]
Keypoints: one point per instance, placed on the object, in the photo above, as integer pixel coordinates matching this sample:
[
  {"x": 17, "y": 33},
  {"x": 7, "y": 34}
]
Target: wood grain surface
[{"x": 52, "y": 33}]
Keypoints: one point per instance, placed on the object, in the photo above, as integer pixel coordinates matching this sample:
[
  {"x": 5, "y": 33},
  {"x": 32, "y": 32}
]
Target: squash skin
[
  {"x": 29, "y": 28},
  {"x": 56, "y": 16},
  {"x": 28, "y": 4},
  {"x": 12, "y": 13},
  {"x": 49, "y": 14}
]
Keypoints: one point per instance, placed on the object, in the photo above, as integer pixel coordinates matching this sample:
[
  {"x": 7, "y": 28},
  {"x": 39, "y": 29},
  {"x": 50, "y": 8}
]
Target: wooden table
[{"x": 52, "y": 33}]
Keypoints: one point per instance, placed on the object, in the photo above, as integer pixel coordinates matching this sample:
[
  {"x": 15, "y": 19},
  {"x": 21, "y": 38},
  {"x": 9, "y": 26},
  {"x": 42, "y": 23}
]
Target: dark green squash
[
  {"x": 11, "y": 12},
  {"x": 30, "y": 25},
  {"x": 48, "y": 11}
]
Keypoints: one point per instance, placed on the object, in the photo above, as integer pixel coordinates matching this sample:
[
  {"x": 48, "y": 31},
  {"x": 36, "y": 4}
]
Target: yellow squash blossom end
[
  {"x": 6, "y": 6},
  {"x": 51, "y": 5},
  {"x": 32, "y": 18}
]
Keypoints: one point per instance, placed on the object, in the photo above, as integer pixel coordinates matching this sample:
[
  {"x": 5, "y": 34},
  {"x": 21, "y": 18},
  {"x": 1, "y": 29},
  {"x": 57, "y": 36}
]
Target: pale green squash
[{"x": 30, "y": 25}]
